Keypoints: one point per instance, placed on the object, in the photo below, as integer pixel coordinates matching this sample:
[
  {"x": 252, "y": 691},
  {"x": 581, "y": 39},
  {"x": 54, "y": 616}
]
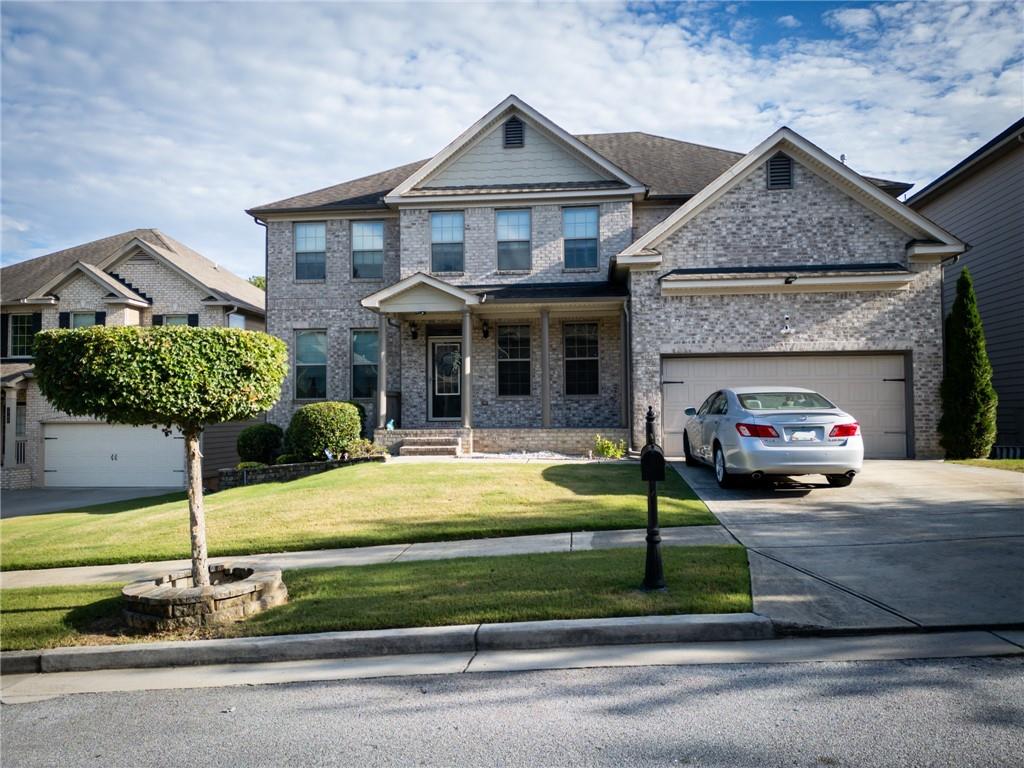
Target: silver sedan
[{"x": 756, "y": 432}]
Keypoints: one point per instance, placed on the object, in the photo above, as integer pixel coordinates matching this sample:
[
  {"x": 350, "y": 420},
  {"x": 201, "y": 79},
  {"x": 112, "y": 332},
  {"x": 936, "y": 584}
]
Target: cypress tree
[{"x": 968, "y": 423}]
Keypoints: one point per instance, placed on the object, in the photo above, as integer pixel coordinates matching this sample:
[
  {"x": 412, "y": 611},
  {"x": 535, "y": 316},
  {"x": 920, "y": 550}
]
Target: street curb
[{"x": 468, "y": 638}]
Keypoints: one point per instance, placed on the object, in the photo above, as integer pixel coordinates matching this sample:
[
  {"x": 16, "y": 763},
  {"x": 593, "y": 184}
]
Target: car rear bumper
[{"x": 752, "y": 455}]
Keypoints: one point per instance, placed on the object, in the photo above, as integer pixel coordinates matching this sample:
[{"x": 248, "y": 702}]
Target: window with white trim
[
  {"x": 365, "y": 358},
  {"x": 579, "y": 233},
  {"x": 310, "y": 365},
  {"x": 513, "y": 234},
  {"x": 175, "y": 319},
  {"x": 581, "y": 358},
  {"x": 513, "y": 360},
  {"x": 83, "y": 319},
  {"x": 447, "y": 235},
  {"x": 21, "y": 335},
  {"x": 310, "y": 250},
  {"x": 368, "y": 250}
]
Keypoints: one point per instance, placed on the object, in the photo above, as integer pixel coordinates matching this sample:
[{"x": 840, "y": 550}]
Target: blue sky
[{"x": 180, "y": 116}]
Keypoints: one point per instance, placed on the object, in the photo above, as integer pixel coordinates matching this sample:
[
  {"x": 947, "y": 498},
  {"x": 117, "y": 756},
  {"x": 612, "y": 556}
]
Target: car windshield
[{"x": 781, "y": 401}]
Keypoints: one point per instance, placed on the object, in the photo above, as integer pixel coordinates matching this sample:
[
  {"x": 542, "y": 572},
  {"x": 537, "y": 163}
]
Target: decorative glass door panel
[{"x": 446, "y": 379}]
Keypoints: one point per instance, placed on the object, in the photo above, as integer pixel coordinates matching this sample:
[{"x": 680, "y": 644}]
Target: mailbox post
[{"x": 652, "y": 469}]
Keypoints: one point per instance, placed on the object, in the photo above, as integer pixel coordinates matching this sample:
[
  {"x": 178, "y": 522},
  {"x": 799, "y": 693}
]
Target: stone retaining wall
[{"x": 282, "y": 473}]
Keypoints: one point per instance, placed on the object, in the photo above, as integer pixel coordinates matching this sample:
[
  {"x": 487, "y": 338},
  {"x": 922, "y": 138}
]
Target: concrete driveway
[
  {"x": 910, "y": 543},
  {"x": 38, "y": 501}
]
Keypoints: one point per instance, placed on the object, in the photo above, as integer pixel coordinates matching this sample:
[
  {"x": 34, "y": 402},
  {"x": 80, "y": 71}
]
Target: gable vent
[
  {"x": 780, "y": 172},
  {"x": 514, "y": 132}
]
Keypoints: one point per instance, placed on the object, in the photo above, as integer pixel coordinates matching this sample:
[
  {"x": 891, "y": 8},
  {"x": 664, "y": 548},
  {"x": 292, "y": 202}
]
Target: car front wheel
[
  {"x": 838, "y": 481},
  {"x": 725, "y": 480},
  {"x": 691, "y": 461}
]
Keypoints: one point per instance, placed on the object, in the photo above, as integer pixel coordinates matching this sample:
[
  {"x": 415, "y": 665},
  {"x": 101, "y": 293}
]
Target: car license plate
[{"x": 799, "y": 436}]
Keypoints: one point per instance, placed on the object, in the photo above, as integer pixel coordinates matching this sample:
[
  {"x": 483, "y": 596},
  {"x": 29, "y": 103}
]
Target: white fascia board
[
  {"x": 129, "y": 302},
  {"x": 420, "y": 278},
  {"x": 414, "y": 201},
  {"x": 786, "y": 140},
  {"x": 512, "y": 102},
  {"x": 930, "y": 253},
  {"x": 818, "y": 284},
  {"x": 362, "y": 214},
  {"x": 87, "y": 270}
]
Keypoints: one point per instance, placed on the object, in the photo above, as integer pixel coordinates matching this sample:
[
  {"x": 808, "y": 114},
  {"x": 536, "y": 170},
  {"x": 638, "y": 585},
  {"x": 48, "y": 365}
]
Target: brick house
[
  {"x": 526, "y": 288},
  {"x": 141, "y": 277}
]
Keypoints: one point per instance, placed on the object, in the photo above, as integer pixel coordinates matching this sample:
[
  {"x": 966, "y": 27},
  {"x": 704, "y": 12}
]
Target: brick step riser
[
  {"x": 428, "y": 450},
  {"x": 431, "y": 441}
]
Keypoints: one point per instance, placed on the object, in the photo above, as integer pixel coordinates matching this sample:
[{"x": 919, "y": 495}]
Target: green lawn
[
  {"x": 598, "y": 583},
  {"x": 355, "y": 506},
  {"x": 1014, "y": 465}
]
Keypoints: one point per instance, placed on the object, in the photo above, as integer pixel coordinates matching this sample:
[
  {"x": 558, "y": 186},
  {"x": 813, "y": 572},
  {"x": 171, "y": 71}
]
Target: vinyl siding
[{"x": 987, "y": 210}]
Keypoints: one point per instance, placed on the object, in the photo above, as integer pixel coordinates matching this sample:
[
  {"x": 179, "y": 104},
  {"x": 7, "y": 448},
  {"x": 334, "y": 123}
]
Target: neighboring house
[
  {"x": 142, "y": 277},
  {"x": 981, "y": 198},
  {"x": 526, "y": 288}
]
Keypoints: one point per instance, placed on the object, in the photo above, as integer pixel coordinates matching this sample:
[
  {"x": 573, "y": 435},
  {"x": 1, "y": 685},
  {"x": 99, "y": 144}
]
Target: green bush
[
  {"x": 320, "y": 427},
  {"x": 364, "y": 430},
  {"x": 260, "y": 442},
  {"x": 968, "y": 423},
  {"x": 362, "y": 448},
  {"x": 289, "y": 458},
  {"x": 609, "y": 449},
  {"x": 250, "y": 465}
]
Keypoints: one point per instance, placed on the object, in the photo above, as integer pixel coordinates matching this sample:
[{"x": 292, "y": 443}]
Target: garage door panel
[
  {"x": 98, "y": 455},
  {"x": 857, "y": 383}
]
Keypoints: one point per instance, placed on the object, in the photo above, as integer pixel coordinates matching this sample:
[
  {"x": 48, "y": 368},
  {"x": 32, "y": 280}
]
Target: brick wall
[{"x": 573, "y": 442}]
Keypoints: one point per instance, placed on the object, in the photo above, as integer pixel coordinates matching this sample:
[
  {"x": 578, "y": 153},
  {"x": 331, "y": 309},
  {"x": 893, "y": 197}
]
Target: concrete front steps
[{"x": 431, "y": 445}]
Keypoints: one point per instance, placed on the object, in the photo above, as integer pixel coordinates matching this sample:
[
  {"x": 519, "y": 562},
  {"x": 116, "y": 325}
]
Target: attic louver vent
[
  {"x": 780, "y": 172},
  {"x": 514, "y": 130}
]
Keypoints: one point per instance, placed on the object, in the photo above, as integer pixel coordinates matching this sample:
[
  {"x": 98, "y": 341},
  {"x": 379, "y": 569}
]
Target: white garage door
[
  {"x": 871, "y": 387},
  {"x": 98, "y": 455}
]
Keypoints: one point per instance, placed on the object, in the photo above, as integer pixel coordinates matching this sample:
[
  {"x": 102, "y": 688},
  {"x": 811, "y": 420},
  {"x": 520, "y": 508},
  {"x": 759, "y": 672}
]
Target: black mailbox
[{"x": 652, "y": 463}]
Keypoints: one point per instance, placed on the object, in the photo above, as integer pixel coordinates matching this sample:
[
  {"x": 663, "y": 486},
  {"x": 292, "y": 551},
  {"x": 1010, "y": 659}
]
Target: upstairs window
[
  {"x": 446, "y": 242},
  {"x": 579, "y": 231},
  {"x": 368, "y": 250},
  {"x": 581, "y": 358},
  {"x": 365, "y": 357},
  {"x": 513, "y": 360},
  {"x": 515, "y": 133},
  {"x": 22, "y": 333},
  {"x": 513, "y": 240},
  {"x": 780, "y": 172},
  {"x": 310, "y": 251},
  {"x": 310, "y": 365}
]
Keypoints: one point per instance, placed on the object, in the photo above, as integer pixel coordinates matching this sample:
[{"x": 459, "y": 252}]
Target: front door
[{"x": 445, "y": 379}]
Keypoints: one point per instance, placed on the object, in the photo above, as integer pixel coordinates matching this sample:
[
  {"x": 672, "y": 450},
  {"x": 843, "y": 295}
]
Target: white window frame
[
  {"x": 295, "y": 250},
  {"x": 168, "y": 319},
  {"x": 353, "y": 250},
  {"x": 10, "y": 334},
  {"x": 296, "y": 365},
  {"x": 596, "y": 238},
  {"x": 566, "y": 359},
  {"x": 528, "y": 241},
  {"x": 528, "y": 360},
  {"x": 73, "y": 315}
]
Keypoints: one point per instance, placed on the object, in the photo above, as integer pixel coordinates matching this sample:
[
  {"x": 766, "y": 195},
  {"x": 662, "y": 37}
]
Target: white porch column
[
  {"x": 382, "y": 372},
  {"x": 467, "y": 370},
  {"x": 10, "y": 417},
  {"x": 545, "y": 373}
]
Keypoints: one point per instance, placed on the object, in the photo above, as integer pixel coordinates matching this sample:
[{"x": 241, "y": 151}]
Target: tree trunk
[{"x": 197, "y": 517}]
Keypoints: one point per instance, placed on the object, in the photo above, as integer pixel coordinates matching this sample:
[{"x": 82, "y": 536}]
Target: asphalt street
[{"x": 954, "y": 712}]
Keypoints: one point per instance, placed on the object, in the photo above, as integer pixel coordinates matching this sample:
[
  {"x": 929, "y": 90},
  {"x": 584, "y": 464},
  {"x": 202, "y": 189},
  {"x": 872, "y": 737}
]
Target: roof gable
[
  {"x": 551, "y": 156},
  {"x": 644, "y": 252},
  {"x": 420, "y": 292}
]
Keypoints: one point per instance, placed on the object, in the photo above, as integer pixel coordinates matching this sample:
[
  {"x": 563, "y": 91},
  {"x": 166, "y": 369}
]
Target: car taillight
[
  {"x": 756, "y": 430},
  {"x": 845, "y": 430}
]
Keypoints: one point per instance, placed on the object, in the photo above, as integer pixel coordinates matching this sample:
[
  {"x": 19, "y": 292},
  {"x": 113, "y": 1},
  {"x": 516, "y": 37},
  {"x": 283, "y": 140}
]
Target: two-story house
[
  {"x": 141, "y": 277},
  {"x": 526, "y": 288}
]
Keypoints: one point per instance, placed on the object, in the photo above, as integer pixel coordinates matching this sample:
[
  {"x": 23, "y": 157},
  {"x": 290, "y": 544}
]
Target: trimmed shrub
[
  {"x": 318, "y": 428},
  {"x": 250, "y": 465},
  {"x": 260, "y": 442},
  {"x": 968, "y": 423},
  {"x": 609, "y": 449},
  {"x": 289, "y": 458}
]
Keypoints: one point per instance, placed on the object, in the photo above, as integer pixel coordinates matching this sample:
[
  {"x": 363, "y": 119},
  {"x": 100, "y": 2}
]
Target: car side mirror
[{"x": 690, "y": 411}]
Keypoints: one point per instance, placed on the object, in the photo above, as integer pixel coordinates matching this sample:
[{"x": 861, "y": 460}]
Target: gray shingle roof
[
  {"x": 669, "y": 168},
  {"x": 21, "y": 280}
]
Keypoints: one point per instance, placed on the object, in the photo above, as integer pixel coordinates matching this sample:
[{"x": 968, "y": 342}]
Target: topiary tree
[
  {"x": 968, "y": 423},
  {"x": 171, "y": 376},
  {"x": 320, "y": 427},
  {"x": 260, "y": 442}
]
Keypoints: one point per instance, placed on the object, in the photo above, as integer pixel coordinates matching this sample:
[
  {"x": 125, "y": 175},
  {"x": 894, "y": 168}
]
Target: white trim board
[{"x": 816, "y": 284}]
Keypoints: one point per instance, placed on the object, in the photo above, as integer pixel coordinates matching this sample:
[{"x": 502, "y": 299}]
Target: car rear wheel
[
  {"x": 838, "y": 481},
  {"x": 691, "y": 461},
  {"x": 725, "y": 480}
]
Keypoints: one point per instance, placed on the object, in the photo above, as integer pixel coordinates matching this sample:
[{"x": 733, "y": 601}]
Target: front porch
[
  {"x": 502, "y": 368},
  {"x": 15, "y": 470}
]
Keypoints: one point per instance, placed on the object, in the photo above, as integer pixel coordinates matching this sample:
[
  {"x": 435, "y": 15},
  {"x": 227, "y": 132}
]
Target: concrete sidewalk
[{"x": 388, "y": 553}]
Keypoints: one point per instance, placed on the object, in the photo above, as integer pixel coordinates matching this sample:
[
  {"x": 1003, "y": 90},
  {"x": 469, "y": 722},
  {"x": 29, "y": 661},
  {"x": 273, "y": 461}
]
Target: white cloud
[
  {"x": 789, "y": 22},
  {"x": 180, "y": 116}
]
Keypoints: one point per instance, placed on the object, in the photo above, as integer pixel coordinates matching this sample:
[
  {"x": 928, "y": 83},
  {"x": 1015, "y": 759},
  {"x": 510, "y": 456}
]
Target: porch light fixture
[
  {"x": 414, "y": 331},
  {"x": 787, "y": 329},
  {"x": 486, "y": 328}
]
